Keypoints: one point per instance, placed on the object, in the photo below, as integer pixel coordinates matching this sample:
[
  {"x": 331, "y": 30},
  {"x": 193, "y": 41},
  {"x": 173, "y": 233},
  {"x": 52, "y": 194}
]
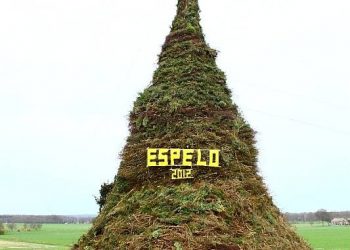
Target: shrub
[{"x": 2, "y": 229}]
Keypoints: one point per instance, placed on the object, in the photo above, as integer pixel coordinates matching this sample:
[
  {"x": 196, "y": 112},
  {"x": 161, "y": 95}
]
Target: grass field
[
  {"x": 51, "y": 236},
  {"x": 62, "y": 237},
  {"x": 325, "y": 237}
]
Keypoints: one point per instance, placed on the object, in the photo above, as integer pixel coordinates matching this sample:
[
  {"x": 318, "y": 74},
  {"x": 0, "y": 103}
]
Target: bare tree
[
  {"x": 323, "y": 216},
  {"x": 11, "y": 226},
  {"x": 2, "y": 229},
  {"x": 36, "y": 226},
  {"x": 25, "y": 227}
]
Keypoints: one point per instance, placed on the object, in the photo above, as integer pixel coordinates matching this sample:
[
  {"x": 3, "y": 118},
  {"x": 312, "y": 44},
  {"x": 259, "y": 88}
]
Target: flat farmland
[
  {"x": 324, "y": 237},
  {"x": 63, "y": 236},
  {"x": 51, "y": 236}
]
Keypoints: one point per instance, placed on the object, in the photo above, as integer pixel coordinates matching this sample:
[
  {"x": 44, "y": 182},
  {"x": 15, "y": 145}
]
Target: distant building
[{"x": 340, "y": 221}]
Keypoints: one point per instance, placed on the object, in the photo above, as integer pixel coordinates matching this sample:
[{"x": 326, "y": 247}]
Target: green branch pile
[{"x": 188, "y": 105}]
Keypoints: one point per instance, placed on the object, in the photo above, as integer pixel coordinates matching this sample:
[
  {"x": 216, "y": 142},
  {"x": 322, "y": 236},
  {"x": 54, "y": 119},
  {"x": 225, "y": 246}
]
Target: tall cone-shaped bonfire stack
[{"x": 212, "y": 199}]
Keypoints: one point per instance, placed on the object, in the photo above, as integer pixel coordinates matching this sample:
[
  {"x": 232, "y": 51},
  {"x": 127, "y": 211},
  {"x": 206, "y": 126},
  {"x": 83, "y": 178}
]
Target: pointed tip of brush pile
[
  {"x": 187, "y": 16},
  {"x": 186, "y": 24}
]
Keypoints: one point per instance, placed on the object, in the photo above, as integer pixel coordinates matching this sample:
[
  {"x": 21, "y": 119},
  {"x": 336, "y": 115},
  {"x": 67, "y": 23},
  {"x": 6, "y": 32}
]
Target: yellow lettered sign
[
  {"x": 162, "y": 157},
  {"x": 183, "y": 159}
]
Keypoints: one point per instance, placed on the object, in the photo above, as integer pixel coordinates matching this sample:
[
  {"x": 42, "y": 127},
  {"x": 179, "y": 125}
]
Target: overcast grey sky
[{"x": 71, "y": 69}]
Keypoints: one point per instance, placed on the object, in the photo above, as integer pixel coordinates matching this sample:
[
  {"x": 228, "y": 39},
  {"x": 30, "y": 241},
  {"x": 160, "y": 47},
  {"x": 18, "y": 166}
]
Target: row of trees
[
  {"x": 46, "y": 219},
  {"x": 320, "y": 215},
  {"x": 32, "y": 226},
  {"x": 24, "y": 227}
]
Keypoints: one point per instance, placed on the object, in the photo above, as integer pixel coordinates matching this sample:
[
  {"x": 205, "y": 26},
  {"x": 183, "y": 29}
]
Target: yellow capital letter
[
  {"x": 174, "y": 155},
  {"x": 199, "y": 159},
  {"x": 214, "y": 158},
  {"x": 163, "y": 157},
  {"x": 187, "y": 157},
  {"x": 151, "y": 156}
]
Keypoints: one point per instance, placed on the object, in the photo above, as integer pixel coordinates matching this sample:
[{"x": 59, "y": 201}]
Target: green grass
[
  {"x": 60, "y": 235},
  {"x": 325, "y": 237},
  {"x": 63, "y": 236}
]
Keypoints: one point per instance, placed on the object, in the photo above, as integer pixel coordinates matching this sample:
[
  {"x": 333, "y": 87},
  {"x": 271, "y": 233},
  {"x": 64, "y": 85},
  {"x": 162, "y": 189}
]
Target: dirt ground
[{"x": 23, "y": 245}]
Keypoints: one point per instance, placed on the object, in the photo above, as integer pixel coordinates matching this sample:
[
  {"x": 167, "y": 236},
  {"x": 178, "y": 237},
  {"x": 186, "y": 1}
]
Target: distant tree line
[
  {"x": 24, "y": 227},
  {"x": 29, "y": 227},
  {"x": 45, "y": 219},
  {"x": 320, "y": 215}
]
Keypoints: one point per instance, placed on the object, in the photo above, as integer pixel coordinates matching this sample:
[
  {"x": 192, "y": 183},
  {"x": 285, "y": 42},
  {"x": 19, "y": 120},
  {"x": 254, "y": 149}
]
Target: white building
[{"x": 340, "y": 221}]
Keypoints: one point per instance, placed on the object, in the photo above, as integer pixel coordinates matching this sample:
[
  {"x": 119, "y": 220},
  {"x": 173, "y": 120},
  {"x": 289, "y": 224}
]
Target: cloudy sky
[{"x": 70, "y": 71}]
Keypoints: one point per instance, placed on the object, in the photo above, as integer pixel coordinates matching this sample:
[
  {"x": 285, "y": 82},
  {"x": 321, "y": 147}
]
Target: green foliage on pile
[
  {"x": 188, "y": 105},
  {"x": 221, "y": 215}
]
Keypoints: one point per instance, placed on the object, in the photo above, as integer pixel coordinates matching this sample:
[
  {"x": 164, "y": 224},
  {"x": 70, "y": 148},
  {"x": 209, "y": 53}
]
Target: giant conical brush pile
[{"x": 205, "y": 205}]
